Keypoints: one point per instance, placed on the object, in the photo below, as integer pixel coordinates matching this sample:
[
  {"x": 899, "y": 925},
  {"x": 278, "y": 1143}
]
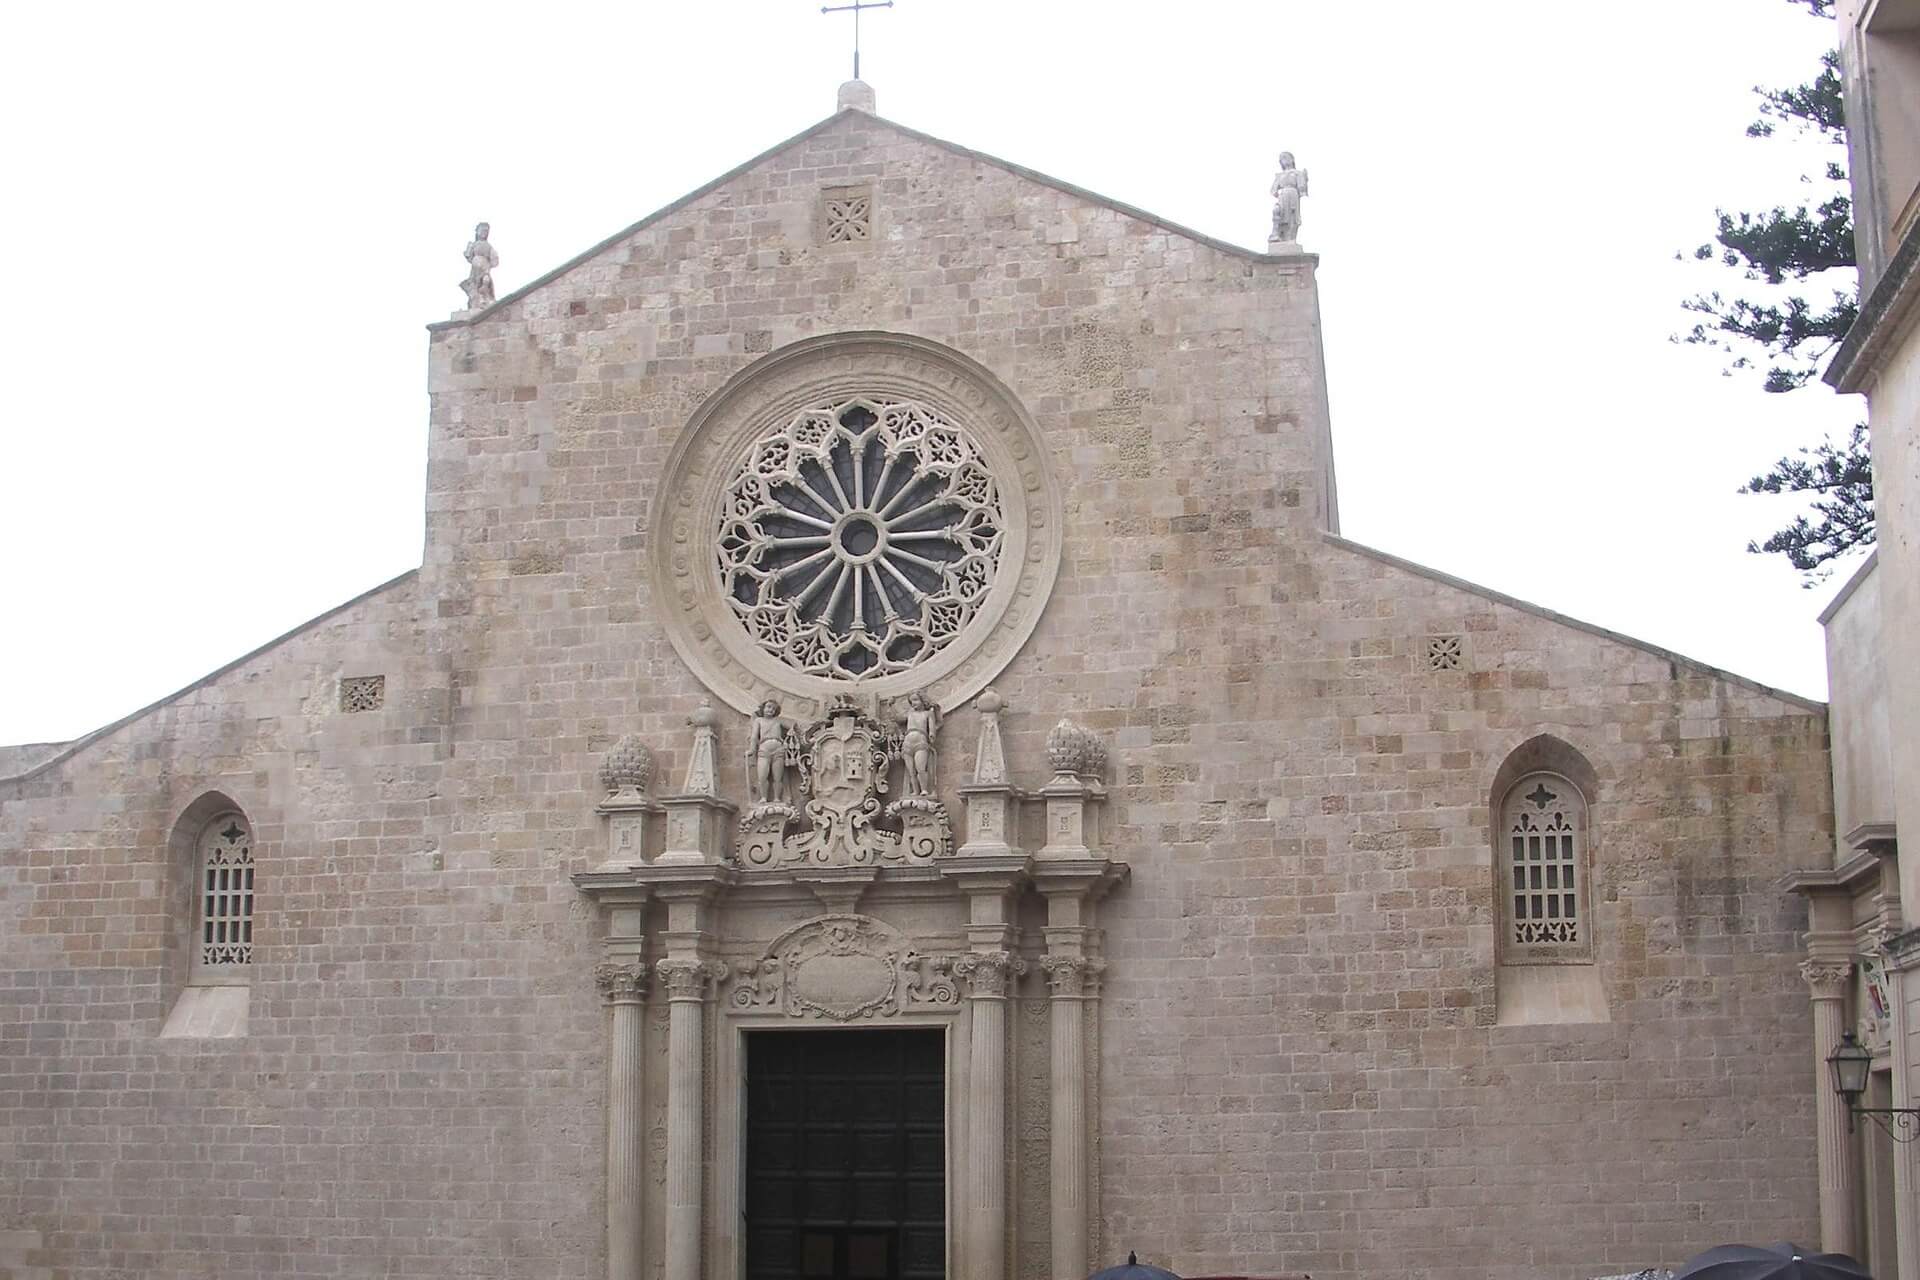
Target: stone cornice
[
  {"x": 1876, "y": 838},
  {"x": 1857, "y": 874},
  {"x": 1903, "y": 949},
  {"x": 1884, "y": 315}
]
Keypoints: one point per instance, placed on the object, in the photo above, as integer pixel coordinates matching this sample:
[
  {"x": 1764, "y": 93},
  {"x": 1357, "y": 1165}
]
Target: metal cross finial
[{"x": 856, "y": 8}]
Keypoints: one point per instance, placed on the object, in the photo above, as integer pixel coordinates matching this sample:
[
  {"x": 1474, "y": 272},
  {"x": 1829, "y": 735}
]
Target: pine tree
[{"x": 1790, "y": 333}]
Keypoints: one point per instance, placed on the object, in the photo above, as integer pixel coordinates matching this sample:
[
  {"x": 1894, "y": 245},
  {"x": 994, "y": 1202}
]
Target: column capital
[
  {"x": 622, "y": 982},
  {"x": 690, "y": 979},
  {"x": 988, "y": 973},
  {"x": 1828, "y": 978},
  {"x": 1072, "y": 977}
]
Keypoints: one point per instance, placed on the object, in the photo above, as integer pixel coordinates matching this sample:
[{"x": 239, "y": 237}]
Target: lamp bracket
[{"x": 1902, "y": 1124}]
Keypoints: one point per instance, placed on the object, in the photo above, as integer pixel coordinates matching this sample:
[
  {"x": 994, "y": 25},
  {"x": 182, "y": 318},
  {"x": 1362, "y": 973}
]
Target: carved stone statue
[
  {"x": 767, "y": 755},
  {"x": 1289, "y": 185},
  {"x": 916, "y": 745},
  {"x": 482, "y": 259}
]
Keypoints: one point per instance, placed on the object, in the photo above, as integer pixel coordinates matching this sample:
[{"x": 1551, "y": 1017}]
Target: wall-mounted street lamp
[{"x": 1850, "y": 1064}]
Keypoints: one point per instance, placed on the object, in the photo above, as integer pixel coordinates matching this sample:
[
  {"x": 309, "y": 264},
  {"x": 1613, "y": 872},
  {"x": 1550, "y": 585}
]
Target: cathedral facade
[{"x": 888, "y": 768}]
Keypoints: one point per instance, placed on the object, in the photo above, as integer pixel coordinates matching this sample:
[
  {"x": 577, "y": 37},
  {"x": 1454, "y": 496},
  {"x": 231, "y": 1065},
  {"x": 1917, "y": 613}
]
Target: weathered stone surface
[{"x": 1300, "y": 1070}]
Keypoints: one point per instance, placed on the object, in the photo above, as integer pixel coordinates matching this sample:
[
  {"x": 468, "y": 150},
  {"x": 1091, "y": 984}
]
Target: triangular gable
[{"x": 1021, "y": 171}]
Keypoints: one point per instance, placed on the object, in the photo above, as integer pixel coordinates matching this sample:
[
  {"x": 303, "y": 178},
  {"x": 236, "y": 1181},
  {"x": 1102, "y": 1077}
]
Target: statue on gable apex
[
  {"x": 1289, "y": 186},
  {"x": 482, "y": 258}
]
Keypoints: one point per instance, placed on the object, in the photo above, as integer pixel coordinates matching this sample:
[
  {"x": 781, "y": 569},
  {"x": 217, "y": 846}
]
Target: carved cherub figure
[
  {"x": 916, "y": 745},
  {"x": 1289, "y": 185},
  {"x": 482, "y": 258},
  {"x": 767, "y": 755}
]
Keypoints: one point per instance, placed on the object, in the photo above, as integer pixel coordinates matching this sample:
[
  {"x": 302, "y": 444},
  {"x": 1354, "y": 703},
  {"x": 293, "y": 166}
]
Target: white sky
[{"x": 227, "y": 224}]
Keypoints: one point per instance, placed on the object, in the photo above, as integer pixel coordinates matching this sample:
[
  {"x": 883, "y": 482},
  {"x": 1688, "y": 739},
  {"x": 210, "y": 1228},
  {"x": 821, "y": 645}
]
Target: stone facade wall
[
  {"x": 1299, "y": 1068},
  {"x": 1857, "y": 683}
]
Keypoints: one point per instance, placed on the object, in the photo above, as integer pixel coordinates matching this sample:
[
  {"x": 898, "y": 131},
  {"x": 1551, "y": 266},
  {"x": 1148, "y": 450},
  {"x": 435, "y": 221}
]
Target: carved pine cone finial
[
  {"x": 1067, "y": 748},
  {"x": 1096, "y": 765},
  {"x": 628, "y": 767},
  {"x": 1076, "y": 752}
]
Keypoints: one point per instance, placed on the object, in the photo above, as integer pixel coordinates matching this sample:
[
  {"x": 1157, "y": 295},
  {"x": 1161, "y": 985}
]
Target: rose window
[{"x": 859, "y": 539}]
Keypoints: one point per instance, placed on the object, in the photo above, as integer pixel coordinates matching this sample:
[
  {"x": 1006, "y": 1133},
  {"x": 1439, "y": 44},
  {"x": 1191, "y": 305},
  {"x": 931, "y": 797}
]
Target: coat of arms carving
[{"x": 843, "y": 761}]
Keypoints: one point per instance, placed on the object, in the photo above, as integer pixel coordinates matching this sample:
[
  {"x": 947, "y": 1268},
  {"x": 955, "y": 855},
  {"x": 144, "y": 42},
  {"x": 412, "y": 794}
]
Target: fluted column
[
  {"x": 1828, "y": 981},
  {"x": 689, "y": 982},
  {"x": 1068, "y": 976},
  {"x": 987, "y": 974},
  {"x": 624, "y": 986}
]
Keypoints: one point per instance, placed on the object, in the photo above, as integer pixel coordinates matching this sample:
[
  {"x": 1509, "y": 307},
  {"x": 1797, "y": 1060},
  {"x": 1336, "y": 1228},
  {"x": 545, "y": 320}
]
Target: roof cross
[{"x": 856, "y": 9}]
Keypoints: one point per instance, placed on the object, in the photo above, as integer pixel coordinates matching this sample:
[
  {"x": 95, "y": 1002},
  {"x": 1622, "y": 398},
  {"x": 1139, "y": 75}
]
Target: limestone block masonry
[{"x": 494, "y": 1032}]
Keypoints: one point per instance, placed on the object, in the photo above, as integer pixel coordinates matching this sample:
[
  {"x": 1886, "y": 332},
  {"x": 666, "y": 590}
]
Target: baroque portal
[{"x": 853, "y": 537}]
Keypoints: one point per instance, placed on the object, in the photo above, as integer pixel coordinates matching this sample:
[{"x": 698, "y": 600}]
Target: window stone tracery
[
  {"x": 224, "y": 891},
  {"x": 1543, "y": 870},
  {"x": 803, "y": 548},
  {"x": 860, "y": 538}
]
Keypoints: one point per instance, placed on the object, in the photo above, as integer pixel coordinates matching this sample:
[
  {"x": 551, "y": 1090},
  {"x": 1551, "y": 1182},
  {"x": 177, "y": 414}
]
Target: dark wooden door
[{"x": 846, "y": 1155}]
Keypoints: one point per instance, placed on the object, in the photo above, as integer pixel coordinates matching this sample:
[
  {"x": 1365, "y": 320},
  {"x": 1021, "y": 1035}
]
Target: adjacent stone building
[
  {"x": 888, "y": 768},
  {"x": 1863, "y": 951}
]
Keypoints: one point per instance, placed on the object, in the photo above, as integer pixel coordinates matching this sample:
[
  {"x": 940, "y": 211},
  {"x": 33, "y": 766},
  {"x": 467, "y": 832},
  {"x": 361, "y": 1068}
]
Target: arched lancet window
[
  {"x": 1543, "y": 871},
  {"x": 223, "y": 899}
]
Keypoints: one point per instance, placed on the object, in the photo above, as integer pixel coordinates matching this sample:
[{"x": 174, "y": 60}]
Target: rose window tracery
[{"x": 860, "y": 538}]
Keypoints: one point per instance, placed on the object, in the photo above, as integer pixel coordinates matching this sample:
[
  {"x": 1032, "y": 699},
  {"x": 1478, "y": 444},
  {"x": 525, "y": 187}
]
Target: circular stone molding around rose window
[{"x": 862, "y": 513}]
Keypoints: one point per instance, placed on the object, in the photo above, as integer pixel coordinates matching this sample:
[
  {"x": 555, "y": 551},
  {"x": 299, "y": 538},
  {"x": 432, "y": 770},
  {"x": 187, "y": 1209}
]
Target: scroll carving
[{"x": 843, "y": 968}]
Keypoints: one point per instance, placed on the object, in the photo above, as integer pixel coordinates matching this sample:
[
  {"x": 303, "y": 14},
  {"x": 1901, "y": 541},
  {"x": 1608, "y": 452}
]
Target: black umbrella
[
  {"x": 1134, "y": 1270},
  {"x": 1770, "y": 1262}
]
